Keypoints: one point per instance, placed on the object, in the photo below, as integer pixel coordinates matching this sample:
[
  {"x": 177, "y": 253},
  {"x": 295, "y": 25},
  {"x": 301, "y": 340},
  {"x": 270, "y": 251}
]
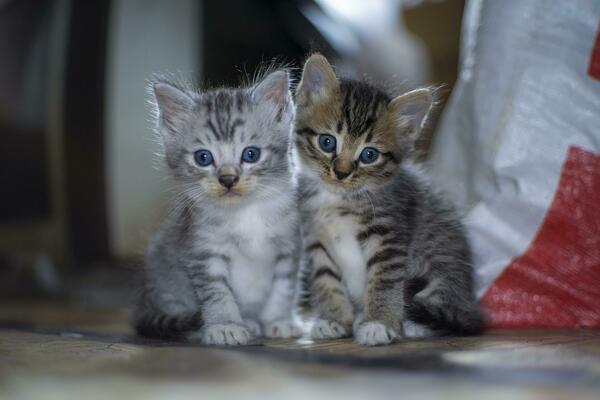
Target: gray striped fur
[{"x": 221, "y": 268}]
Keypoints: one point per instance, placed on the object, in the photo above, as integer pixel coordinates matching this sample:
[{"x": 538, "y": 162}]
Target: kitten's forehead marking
[
  {"x": 360, "y": 106},
  {"x": 225, "y": 114}
]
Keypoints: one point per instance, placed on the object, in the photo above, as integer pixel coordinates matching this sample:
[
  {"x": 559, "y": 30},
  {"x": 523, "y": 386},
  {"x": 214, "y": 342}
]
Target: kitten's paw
[
  {"x": 414, "y": 330},
  {"x": 284, "y": 329},
  {"x": 254, "y": 327},
  {"x": 225, "y": 335},
  {"x": 374, "y": 333},
  {"x": 326, "y": 329}
]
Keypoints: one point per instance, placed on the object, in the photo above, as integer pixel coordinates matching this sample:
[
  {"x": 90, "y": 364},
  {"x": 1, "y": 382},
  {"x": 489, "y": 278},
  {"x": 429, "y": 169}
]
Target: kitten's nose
[
  {"x": 341, "y": 174},
  {"x": 342, "y": 167},
  {"x": 228, "y": 180}
]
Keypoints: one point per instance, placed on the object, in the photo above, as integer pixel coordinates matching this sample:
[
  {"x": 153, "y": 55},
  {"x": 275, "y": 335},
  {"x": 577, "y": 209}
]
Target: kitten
[
  {"x": 221, "y": 269},
  {"x": 384, "y": 256}
]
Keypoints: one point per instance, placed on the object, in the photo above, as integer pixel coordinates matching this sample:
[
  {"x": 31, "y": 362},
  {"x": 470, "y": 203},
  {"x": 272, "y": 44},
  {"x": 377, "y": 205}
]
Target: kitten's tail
[
  {"x": 443, "y": 313},
  {"x": 163, "y": 326},
  {"x": 302, "y": 299}
]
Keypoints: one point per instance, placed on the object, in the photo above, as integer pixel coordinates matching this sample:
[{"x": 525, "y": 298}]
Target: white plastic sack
[{"x": 518, "y": 149}]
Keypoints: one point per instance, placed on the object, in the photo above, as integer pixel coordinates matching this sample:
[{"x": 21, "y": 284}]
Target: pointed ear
[
  {"x": 173, "y": 105},
  {"x": 274, "y": 93},
  {"x": 318, "y": 80},
  {"x": 410, "y": 110}
]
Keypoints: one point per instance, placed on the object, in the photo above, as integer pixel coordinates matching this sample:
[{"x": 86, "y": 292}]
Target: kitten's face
[
  {"x": 227, "y": 146},
  {"x": 351, "y": 135}
]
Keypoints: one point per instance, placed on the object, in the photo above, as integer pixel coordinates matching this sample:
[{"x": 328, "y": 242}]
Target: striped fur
[
  {"x": 221, "y": 268},
  {"x": 384, "y": 255},
  {"x": 167, "y": 326}
]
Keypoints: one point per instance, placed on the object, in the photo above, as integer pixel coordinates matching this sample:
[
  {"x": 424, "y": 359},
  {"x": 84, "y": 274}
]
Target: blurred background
[{"x": 81, "y": 188}]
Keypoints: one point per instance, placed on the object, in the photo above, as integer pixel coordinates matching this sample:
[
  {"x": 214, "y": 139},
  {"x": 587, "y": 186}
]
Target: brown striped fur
[{"x": 384, "y": 255}]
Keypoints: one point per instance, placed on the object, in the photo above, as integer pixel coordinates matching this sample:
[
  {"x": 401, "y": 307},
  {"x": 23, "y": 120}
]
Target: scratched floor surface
[{"x": 56, "y": 351}]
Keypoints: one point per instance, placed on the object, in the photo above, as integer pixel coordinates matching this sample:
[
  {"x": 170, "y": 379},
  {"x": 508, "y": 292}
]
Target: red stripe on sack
[
  {"x": 594, "y": 68},
  {"x": 556, "y": 282}
]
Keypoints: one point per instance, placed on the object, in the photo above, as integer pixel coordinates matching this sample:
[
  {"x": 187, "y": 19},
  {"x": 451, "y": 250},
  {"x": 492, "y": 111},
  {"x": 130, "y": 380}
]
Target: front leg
[
  {"x": 223, "y": 324},
  {"x": 277, "y": 314},
  {"x": 328, "y": 295},
  {"x": 384, "y": 297}
]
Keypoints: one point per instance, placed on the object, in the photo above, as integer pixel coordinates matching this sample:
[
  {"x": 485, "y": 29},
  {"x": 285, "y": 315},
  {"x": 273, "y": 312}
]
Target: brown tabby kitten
[{"x": 384, "y": 256}]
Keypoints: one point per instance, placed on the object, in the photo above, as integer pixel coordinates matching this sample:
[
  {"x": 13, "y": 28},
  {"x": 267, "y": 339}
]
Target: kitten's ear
[
  {"x": 318, "y": 80},
  {"x": 173, "y": 105},
  {"x": 274, "y": 93},
  {"x": 410, "y": 110}
]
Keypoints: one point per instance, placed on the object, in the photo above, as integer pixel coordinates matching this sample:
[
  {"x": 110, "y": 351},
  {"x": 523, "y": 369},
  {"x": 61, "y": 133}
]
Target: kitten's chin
[
  {"x": 336, "y": 189},
  {"x": 339, "y": 188}
]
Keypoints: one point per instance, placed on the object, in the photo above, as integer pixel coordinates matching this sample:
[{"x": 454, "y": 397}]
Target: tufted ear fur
[
  {"x": 173, "y": 106},
  {"x": 273, "y": 93},
  {"x": 318, "y": 81},
  {"x": 410, "y": 111}
]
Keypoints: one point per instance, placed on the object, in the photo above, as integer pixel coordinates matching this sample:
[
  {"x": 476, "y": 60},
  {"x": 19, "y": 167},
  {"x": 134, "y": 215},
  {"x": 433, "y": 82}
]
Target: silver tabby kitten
[
  {"x": 385, "y": 257},
  {"x": 221, "y": 268}
]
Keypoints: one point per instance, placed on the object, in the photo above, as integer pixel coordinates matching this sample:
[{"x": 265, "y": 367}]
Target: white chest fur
[
  {"x": 253, "y": 252},
  {"x": 338, "y": 234},
  {"x": 252, "y": 232}
]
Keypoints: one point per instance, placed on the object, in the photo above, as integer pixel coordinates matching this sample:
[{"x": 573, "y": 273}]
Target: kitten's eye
[
  {"x": 251, "y": 154},
  {"x": 369, "y": 155},
  {"x": 327, "y": 143},
  {"x": 203, "y": 158}
]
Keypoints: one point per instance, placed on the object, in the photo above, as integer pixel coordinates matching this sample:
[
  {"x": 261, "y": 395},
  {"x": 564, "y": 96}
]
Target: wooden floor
[{"x": 54, "y": 351}]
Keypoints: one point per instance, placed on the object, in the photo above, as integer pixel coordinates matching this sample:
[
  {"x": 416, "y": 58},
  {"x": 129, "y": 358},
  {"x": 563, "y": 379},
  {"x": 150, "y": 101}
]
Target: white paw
[
  {"x": 325, "y": 329},
  {"x": 225, "y": 335},
  {"x": 413, "y": 330},
  {"x": 285, "y": 329},
  {"x": 374, "y": 333},
  {"x": 253, "y": 326}
]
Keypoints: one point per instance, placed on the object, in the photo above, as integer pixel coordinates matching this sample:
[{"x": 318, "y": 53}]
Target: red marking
[
  {"x": 594, "y": 68},
  {"x": 556, "y": 283}
]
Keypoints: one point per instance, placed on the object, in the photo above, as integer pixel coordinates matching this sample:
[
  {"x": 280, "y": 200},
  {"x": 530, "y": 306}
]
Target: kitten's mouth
[
  {"x": 231, "y": 193},
  {"x": 336, "y": 186}
]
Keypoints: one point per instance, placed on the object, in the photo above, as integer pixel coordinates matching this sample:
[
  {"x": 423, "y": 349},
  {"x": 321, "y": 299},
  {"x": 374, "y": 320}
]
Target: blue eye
[
  {"x": 327, "y": 143},
  {"x": 369, "y": 155},
  {"x": 251, "y": 154},
  {"x": 203, "y": 158}
]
